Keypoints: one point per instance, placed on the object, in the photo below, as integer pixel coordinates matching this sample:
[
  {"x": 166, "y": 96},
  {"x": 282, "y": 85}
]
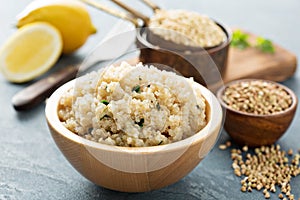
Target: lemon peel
[{"x": 30, "y": 52}]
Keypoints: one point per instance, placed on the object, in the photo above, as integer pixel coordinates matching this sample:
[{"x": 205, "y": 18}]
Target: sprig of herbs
[
  {"x": 264, "y": 45},
  {"x": 240, "y": 40}
]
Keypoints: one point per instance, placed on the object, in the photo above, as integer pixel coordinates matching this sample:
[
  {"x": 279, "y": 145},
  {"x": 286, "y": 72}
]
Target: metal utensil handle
[
  {"x": 151, "y": 5},
  {"x": 40, "y": 90},
  {"x": 113, "y": 12},
  {"x": 132, "y": 11}
]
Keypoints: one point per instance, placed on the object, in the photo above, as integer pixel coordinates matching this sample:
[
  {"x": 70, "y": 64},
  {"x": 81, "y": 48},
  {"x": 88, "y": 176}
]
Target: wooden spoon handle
[{"x": 40, "y": 90}]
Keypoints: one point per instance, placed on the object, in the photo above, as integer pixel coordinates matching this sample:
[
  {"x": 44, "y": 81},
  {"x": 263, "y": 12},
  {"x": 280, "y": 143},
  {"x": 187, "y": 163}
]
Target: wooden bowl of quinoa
[
  {"x": 133, "y": 128},
  {"x": 258, "y": 112}
]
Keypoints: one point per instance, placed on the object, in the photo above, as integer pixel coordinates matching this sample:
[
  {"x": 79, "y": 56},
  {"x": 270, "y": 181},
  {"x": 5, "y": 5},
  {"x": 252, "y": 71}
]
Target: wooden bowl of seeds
[{"x": 258, "y": 112}]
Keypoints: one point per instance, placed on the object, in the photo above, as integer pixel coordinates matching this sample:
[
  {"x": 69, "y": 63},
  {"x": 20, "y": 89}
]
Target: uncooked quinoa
[
  {"x": 133, "y": 106},
  {"x": 187, "y": 28}
]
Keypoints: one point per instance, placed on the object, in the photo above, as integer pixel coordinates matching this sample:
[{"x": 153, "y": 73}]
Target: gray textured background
[{"x": 31, "y": 166}]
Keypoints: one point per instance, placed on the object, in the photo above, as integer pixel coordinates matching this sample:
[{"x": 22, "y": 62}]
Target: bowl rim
[
  {"x": 210, "y": 50},
  {"x": 213, "y": 124},
  {"x": 221, "y": 90}
]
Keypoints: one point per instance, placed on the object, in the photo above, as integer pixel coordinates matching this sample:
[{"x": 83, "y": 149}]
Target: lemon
[
  {"x": 30, "y": 52},
  {"x": 70, "y": 17}
]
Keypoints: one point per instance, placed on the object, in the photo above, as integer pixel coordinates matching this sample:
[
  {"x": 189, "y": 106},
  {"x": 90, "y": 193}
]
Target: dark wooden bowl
[
  {"x": 207, "y": 60},
  {"x": 257, "y": 130}
]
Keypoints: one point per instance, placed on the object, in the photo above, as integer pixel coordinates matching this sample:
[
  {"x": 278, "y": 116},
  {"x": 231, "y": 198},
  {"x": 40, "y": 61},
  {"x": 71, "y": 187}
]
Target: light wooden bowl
[
  {"x": 134, "y": 169},
  {"x": 257, "y": 130}
]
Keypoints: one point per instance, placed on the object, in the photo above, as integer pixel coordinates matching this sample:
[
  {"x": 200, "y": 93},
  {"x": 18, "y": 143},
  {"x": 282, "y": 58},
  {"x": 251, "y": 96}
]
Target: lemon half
[{"x": 30, "y": 52}]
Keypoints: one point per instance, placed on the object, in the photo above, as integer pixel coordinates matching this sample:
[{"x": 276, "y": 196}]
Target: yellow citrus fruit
[
  {"x": 30, "y": 52},
  {"x": 70, "y": 17}
]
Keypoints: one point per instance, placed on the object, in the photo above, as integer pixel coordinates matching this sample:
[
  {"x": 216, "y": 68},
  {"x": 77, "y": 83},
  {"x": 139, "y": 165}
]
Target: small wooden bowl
[
  {"x": 253, "y": 129},
  {"x": 134, "y": 169},
  {"x": 186, "y": 60}
]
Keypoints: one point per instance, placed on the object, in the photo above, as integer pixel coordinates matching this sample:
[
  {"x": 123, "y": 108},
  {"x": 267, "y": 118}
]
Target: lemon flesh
[{"x": 30, "y": 52}]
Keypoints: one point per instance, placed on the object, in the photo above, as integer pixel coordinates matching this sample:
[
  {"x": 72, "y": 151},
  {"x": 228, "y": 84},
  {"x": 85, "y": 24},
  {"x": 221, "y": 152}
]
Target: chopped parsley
[
  {"x": 105, "y": 102},
  {"x": 141, "y": 122},
  {"x": 136, "y": 89}
]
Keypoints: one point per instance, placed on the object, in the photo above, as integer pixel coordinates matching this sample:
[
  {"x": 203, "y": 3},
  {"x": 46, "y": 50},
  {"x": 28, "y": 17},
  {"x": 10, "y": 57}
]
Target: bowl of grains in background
[
  {"x": 183, "y": 39},
  {"x": 258, "y": 112}
]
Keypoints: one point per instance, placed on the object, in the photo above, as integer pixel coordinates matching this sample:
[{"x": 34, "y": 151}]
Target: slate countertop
[{"x": 32, "y": 167}]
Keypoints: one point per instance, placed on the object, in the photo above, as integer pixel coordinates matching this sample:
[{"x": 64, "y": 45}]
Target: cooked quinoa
[
  {"x": 133, "y": 106},
  {"x": 187, "y": 28}
]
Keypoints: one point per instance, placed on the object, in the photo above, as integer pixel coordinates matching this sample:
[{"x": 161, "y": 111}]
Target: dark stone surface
[{"x": 31, "y": 166}]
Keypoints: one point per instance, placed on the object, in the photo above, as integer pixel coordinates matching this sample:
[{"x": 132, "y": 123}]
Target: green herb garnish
[
  {"x": 105, "y": 102},
  {"x": 265, "y": 45},
  {"x": 137, "y": 89},
  {"x": 240, "y": 40},
  {"x": 141, "y": 122},
  {"x": 158, "y": 106}
]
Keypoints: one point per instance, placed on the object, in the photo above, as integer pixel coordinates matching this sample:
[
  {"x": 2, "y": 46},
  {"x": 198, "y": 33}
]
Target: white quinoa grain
[{"x": 133, "y": 106}]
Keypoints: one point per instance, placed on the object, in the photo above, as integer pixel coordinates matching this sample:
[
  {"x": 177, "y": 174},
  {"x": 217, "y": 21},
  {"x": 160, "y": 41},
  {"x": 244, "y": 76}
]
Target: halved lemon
[{"x": 30, "y": 52}]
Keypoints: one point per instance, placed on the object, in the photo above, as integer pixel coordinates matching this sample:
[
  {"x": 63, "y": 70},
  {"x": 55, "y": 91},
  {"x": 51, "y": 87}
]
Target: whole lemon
[{"x": 70, "y": 17}]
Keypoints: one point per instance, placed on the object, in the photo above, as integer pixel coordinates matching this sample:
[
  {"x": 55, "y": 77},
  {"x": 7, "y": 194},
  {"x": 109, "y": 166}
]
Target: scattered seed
[
  {"x": 245, "y": 148},
  {"x": 249, "y": 189},
  {"x": 267, "y": 195},
  {"x": 259, "y": 187},
  {"x": 222, "y": 147},
  {"x": 290, "y": 152},
  {"x": 273, "y": 189},
  {"x": 243, "y": 189},
  {"x": 280, "y": 196},
  {"x": 267, "y": 168},
  {"x": 291, "y": 197},
  {"x": 228, "y": 144}
]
